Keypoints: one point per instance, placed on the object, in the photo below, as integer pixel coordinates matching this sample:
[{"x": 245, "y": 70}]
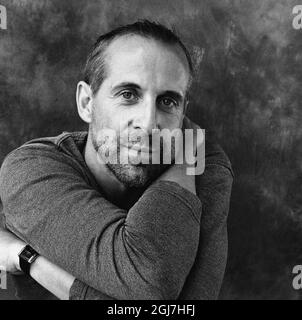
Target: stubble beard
[{"x": 131, "y": 175}]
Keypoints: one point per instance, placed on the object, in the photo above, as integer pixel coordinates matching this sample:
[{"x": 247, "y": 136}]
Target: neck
[{"x": 114, "y": 190}]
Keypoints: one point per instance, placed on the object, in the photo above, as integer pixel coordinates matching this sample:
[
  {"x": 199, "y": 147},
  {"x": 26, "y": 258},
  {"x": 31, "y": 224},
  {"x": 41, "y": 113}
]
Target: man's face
[{"x": 144, "y": 89}]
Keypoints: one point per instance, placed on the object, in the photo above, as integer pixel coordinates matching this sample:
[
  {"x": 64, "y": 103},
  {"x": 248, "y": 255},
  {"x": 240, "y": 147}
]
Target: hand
[
  {"x": 178, "y": 172},
  {"x": 196, "y": 152},
  {"x": 10, "y": 246}
]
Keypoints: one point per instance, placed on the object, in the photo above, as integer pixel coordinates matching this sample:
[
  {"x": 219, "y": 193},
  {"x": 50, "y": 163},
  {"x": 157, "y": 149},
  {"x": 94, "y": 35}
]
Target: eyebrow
[
  {"x": 126, "y": 85},
  {"x": 130, "y": 85},
  {"x": 175, "y": 95}
]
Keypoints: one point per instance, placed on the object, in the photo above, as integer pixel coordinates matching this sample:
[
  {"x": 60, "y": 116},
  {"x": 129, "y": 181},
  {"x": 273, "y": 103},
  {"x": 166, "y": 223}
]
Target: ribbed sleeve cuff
[{"x": 77, "y": 290}]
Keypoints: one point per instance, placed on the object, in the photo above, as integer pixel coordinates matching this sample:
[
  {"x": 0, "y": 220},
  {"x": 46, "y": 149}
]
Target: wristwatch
[{"x": 26, "y": 257}]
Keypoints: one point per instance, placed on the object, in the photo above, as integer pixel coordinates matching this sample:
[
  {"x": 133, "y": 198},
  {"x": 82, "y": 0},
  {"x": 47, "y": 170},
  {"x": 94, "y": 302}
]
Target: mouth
[
  {"x": 139, "y": 155},
  {"x": 139, "y": 148}
]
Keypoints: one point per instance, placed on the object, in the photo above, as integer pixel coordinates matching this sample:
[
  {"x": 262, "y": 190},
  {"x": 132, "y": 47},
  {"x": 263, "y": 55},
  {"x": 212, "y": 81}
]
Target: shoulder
[
  {"x": 44, "y": 154},
  {"x": 67, "y": 143}
]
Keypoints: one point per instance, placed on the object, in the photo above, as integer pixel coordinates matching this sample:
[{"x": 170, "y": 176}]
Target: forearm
[
  {"x": 59, "y": 282},
  {"x": 206, "y": 276},
  {"x": 214, "y": 190},
  {"x": 133, "y": 257},
  {"x": 151, "y": 254},
  {"x": 51, "y": 277},
  {"x": 47, "y": 274},
  {"x": 145, "y": 253}
]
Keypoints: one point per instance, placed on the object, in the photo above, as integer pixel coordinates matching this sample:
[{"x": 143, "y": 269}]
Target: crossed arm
[
  {"x": 145, "y": 253},
  {"x": 160, "y": 282}
]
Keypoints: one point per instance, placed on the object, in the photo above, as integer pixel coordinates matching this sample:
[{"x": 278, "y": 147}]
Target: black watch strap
[{"x": 26, "y": 257}]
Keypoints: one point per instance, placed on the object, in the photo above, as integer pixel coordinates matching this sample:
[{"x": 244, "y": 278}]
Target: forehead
[{"x": 147, "y": 62}]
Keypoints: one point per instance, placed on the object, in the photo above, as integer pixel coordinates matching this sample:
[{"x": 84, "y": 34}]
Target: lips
[{"x": 139, "y": 148}]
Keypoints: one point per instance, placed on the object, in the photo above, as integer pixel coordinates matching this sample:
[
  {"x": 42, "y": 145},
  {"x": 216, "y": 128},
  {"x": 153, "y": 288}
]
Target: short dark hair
[{"x": 94, "y": 72}]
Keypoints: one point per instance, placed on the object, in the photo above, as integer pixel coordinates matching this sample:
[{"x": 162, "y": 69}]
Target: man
[{"x": 103, "y": 229}]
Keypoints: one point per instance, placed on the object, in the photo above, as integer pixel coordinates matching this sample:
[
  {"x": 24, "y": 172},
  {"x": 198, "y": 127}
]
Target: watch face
[
  {"x": 26, "y": 257},
  {"x": 28, "y": 253}
]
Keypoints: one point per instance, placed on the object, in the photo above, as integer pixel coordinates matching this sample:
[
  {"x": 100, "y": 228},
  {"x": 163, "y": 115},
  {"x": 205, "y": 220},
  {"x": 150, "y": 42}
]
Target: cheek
[
  {"x": 103, "y": 118},
  {"x": 171, "y": 121}
]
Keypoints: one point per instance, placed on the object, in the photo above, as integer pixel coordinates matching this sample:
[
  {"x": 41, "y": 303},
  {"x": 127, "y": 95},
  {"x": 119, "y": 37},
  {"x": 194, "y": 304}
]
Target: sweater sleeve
[
  {"x": 145, "y": 253},
  {"x": 214, "y": 190}
]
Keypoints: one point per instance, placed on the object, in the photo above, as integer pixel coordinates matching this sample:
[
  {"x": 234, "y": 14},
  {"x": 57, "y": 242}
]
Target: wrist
[
  {"x": 177, "y": 173},
  {"x": 15, "y": 249}
]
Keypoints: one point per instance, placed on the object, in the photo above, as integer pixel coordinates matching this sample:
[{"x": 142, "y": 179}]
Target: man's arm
[
  {"x": 53, "y": 278},
  {"x": 214, "y": 190},
  {"x": 50, "y": 276},
  {"x": 205, "y": 278},
  {"x": 56, "y": 280},
  {"x": 145, "y": 253}
]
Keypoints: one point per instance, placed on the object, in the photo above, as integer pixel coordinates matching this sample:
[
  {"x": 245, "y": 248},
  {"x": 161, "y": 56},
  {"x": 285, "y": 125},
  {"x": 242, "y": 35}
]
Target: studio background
[{"x": 248, "y": 59}]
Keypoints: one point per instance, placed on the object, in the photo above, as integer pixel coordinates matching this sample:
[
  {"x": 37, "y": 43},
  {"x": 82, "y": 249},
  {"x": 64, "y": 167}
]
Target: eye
[
  {"x": 128, "y": 95},
  {"x": 168, "y": 103}
]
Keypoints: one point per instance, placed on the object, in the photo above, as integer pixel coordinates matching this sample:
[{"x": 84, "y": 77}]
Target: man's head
[
  {"x": 136, "y": 80},
  {"x": 95, "y": 70}
]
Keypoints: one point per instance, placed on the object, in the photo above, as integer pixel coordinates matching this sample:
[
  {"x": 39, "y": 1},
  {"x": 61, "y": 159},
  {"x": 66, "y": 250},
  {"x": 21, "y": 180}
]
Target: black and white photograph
[{"x": 151, "y": 150}]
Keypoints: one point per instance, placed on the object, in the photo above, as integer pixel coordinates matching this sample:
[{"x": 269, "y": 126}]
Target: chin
[{"x": 135, "y": 176}]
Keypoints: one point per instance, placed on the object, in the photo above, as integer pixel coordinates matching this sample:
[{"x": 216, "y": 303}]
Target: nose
[{"x": 146, "y": 117}]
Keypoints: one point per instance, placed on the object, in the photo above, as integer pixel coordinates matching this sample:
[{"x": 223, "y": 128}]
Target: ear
[{"x": 84, "y": 101}]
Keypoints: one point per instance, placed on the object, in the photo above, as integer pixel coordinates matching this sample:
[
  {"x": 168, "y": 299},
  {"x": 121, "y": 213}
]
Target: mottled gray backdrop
[{"x": 248, "y": 89}]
